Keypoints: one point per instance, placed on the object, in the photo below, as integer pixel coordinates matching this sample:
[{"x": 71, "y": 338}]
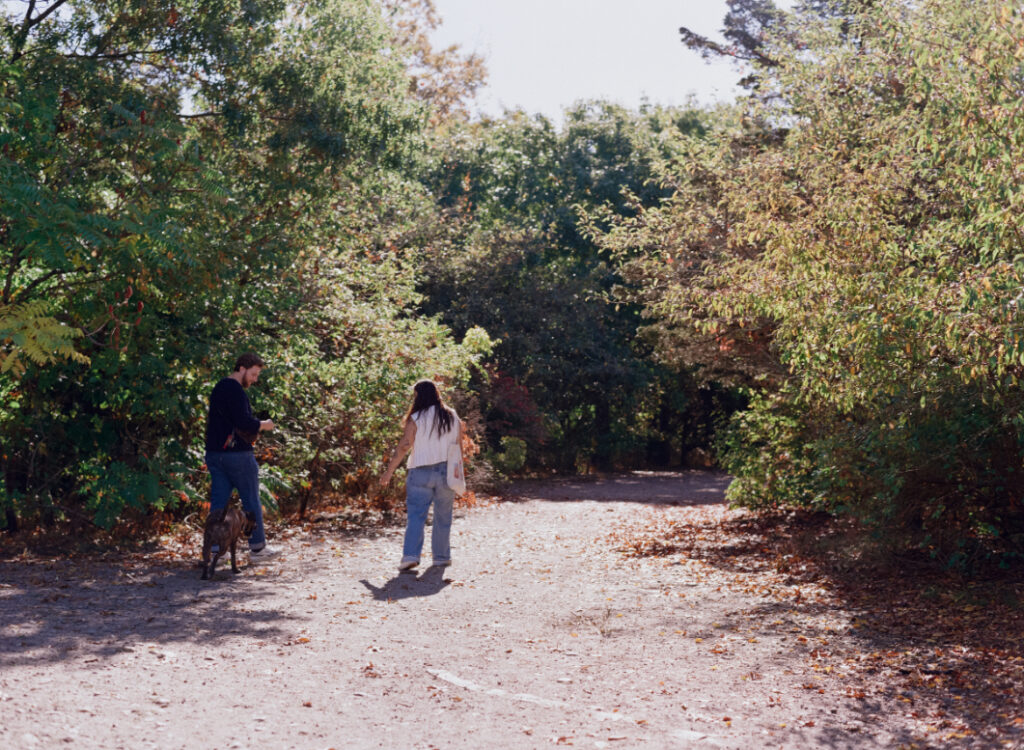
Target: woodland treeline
[{"x": 818, "y": 284}]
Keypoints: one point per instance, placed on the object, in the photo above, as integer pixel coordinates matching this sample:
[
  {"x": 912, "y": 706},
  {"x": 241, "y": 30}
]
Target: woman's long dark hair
[{"x": 427, "y": 395}]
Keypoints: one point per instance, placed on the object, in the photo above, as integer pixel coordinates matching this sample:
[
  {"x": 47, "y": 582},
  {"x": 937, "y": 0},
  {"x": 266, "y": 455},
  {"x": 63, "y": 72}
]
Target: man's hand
[
  {"x": 385, "y": 479},
  {"x": 266, "y": 425}
]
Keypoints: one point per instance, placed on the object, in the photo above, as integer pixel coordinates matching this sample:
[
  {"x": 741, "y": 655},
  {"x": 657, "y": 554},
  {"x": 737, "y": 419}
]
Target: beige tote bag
[{"x": 456, "y": 470}]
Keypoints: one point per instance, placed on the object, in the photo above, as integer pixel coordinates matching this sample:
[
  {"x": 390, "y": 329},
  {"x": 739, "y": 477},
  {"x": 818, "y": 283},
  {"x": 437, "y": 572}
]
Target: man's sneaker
[
  {"x": 408, "y": 564},
  {"x": 263, "y": 553},
  {"x": 442, "y": 563}
]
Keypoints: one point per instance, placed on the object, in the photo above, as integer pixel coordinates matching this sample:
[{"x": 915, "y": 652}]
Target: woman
[{"x": 431, "y": 428}]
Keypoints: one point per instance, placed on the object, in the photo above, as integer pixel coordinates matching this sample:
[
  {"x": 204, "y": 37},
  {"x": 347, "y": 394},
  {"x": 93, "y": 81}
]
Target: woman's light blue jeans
[{"x": 425, "y": 485}]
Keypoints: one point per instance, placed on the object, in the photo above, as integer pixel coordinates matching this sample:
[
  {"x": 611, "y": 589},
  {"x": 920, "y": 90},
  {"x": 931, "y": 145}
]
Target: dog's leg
[
  {"x": 206, "y": 560},
  {"x": 215, "y": 556},
  {"x": 234, "y": 563}
]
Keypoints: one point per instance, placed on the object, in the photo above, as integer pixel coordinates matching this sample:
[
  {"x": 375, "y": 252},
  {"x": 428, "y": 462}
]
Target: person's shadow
[{"x": 407, "y": 585}]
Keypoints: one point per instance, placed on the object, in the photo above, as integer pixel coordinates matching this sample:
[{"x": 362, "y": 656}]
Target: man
[{"x": 231, "y": 430}]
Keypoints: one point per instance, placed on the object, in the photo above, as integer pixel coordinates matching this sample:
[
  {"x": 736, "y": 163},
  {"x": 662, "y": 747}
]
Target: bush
[{"x": 512, "y": 456}]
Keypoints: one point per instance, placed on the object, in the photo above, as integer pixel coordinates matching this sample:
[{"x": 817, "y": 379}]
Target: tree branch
[
  {"x": 11, "y": 268},
  {"x": 35, "y": 283},
  {"x": 29, "y": 23},
  {"x": 100, "y": 55},
  {"x": 19, "y": 40},
  {"x": 199, "y": 115}
]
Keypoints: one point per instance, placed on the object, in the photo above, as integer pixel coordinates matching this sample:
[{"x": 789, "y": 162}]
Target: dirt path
[{"x": 541, "y": 634}]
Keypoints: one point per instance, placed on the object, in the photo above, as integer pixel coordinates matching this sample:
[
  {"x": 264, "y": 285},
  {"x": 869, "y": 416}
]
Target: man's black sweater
[{"x": 230, "y": 414}]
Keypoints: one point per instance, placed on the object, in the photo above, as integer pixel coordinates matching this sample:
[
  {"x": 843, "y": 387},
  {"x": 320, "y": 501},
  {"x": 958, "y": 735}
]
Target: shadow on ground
[
  {"x": 51, "y": 610},
  {"x": 408, "y": 585},
  {"x": 651, "y": 487}
]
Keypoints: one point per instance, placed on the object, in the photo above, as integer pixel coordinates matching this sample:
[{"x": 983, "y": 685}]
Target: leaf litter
[{"x": 950, "y": 650}]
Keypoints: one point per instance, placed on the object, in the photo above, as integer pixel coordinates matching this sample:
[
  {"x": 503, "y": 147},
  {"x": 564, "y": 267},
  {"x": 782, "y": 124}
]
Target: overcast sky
[{"x": 543, "y": 55}]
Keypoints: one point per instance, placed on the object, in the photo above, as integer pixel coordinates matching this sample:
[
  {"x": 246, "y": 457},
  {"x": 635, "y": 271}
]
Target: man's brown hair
[{"x": 248, "y": 360}]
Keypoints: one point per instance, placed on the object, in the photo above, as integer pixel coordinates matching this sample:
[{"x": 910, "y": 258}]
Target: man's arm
[{"x": 240, "y": 413}]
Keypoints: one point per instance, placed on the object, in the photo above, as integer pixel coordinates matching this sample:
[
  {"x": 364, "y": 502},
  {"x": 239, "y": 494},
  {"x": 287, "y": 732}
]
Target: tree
[
  {"x": 747, "y": 26},
  {"x": 521, "y": 262},
  {"x": 863, "y": 262},
  {"x": 752, "y": 29},
  {"x": 447, "y": 79},
  {"x": 163, "y": 167}
]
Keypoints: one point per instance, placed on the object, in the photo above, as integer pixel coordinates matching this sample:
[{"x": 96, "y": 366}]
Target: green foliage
[
  {"x": 850, "y": 243},
  {"x": 31, "y": 333},
  {"x": 180, "y": 182},
  {"x": 340, "y": 371},
  {"x": 512, "y": 456},
  {"x": 519, "y": 259},
  {"x": 174, "y": 177},
  {"x": 768, "y": 449}
]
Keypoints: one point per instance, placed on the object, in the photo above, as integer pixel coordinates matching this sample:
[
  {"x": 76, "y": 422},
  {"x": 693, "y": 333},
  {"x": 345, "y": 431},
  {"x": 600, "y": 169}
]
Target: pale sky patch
[{"x": 544, "y": 55}]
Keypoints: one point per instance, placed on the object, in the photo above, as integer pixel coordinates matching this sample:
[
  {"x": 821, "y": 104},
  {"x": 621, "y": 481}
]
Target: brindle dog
[{"x": 223, "y": 530}]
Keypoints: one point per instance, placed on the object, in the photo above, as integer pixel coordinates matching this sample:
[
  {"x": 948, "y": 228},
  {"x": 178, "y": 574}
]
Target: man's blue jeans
[
  {"x": 425, "y": 485},
  {"x": 237, "y": 470}
]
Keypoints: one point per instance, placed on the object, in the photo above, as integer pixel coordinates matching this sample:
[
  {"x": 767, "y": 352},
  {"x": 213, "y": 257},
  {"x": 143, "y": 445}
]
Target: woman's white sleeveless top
[{"x": 429, "y": 447}]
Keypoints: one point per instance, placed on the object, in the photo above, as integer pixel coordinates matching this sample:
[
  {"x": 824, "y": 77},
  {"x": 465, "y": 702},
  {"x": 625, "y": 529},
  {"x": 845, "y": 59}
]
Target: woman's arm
[{"x": 404, "y": 446}]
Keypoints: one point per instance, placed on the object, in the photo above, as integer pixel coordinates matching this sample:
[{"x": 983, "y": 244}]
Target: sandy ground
[{"x": 540, "y": 635}]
